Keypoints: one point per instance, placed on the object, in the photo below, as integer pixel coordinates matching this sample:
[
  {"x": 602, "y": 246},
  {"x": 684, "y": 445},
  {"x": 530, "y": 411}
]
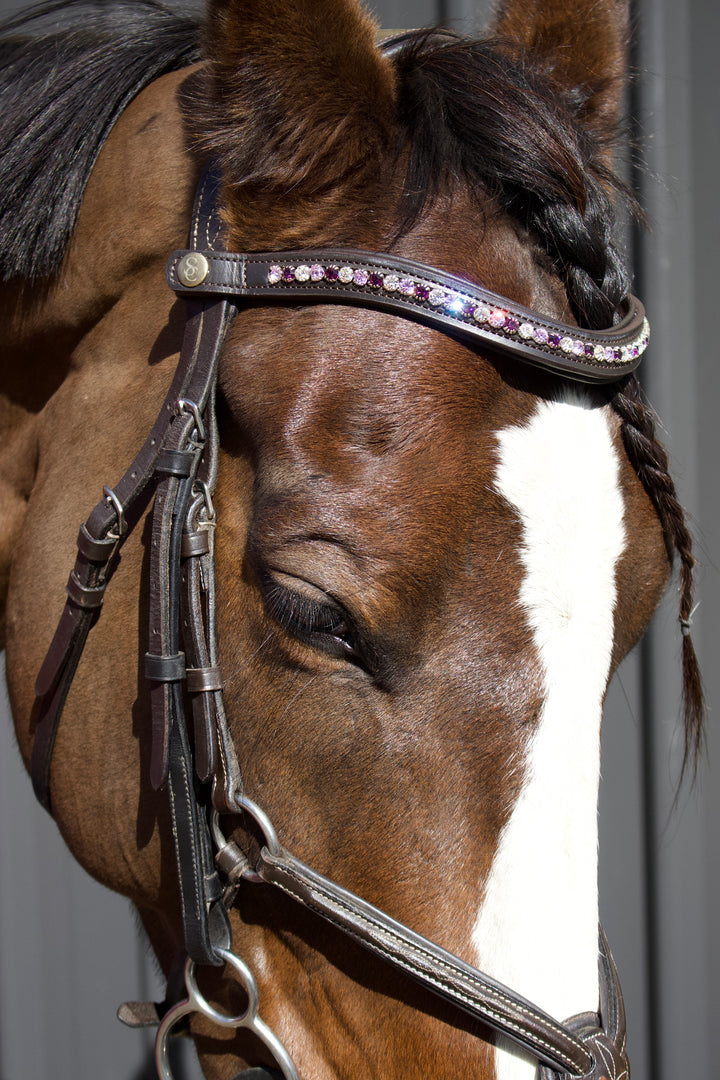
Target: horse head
[{"x": 430, "y": 559}]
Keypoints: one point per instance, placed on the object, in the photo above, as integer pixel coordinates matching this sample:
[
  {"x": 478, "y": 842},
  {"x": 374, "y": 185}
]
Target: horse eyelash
[{"x": 296, "y": 613}]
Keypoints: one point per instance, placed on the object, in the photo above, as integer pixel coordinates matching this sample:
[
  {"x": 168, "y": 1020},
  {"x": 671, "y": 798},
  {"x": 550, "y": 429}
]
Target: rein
[{"x": 179, "y": 461}]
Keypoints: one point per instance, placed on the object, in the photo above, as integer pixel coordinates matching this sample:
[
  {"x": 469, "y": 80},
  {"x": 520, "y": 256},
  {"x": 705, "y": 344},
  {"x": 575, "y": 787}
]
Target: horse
[{"x": 431, "y": 516}]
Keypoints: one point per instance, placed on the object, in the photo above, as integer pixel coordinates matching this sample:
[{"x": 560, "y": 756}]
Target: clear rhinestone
[
  {"x": 599, "y": 352},
  {"x": 274, "y": 275},
  {"x": 566, "y": 344},
  {"x": 392, "y": 283},
  {"x": 346, "y": 274},
  {"x": 526, "y": 331},
  {"x": 578, "y": 348},
  {"x": 481, "y": 313},
  {"x": 437, "y": 297},
  {"x": 454, "y": 304},
  {"x": 540, "y": 335},
  {"x": 302, "y": 273}
]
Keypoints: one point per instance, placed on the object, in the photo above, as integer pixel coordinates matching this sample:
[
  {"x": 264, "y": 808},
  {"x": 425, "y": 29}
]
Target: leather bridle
[{"x": 178, "y": 460}]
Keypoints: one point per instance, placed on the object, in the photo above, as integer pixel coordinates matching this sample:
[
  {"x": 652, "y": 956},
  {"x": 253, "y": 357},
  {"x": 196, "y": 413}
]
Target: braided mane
[{"x": 478, "y": 111}]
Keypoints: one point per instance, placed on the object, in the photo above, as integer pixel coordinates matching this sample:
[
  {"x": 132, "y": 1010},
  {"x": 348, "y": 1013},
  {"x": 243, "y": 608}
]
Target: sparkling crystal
[
  {"x": 454, "y": 304},
  {"x": 578, "y": 348},
  {"x": 346, "y": 274},
  {"x": 541, "y": 335},
  {"x": 392, "y": 283},
  {"x": 302, "y": 273},
  {"x": 634, "y": 352},
  {"x": 437, "y": 297},
  {"x": 481, "y": 313},
  {"x": 407, "y": 286},
  {"x": 331, "y": 273},
  {"x": 566, "y": 344},
  {"x": 525, "y": 330},
  {"x": 317, "y": 272},
  {"x": 609, "y": 353},
  {"x": 497, "y": 317},
  {"x": 274, "y": 274},
  {"x": 599, "y": 352},
  {"x": 376, "y": 281},
  {"x": 511, "y": 325},
  {"x": 360, "y": 277}
]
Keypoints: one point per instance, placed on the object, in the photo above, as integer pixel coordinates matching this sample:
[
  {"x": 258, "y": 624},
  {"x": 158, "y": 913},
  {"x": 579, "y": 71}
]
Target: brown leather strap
[
  {"x": 605, "y": 1034},
  {"x": 403, "y": 287},
  {"x": 429, "y": 964}
]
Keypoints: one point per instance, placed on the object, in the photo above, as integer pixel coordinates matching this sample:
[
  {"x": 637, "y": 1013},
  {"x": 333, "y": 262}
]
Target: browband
[{"x": 414, "y": 290}]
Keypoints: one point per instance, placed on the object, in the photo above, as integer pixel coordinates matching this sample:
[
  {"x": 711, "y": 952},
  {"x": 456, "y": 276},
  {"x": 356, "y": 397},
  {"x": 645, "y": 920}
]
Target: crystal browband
[{"x": 442, "y": 300}]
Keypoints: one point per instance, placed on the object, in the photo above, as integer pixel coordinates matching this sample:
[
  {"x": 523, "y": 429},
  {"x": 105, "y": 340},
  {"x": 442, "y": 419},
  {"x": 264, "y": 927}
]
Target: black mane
[
  {"x": 473, "y": 111},
  {"x": 67, "y": 71}
]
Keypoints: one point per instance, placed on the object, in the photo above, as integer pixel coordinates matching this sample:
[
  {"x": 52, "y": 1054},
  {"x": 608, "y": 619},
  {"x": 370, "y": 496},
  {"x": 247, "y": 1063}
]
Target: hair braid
[
  {"x": 650, "y": 461},
  {"x": 478, "y": 111}
]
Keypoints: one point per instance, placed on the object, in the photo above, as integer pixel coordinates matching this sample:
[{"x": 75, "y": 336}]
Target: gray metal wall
[{"x": 69, "y": 952}]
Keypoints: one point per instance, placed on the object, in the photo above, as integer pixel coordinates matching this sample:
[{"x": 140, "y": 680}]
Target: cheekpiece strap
[{"x": 403, "y": 287}]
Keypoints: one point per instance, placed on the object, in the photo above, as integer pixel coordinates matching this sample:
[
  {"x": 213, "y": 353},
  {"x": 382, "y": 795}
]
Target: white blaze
[{"x": 537, "y": 927}]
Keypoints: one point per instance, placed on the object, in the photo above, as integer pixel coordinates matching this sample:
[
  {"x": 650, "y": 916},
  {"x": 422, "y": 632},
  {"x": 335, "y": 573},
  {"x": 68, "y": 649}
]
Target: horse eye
[{"x": 321, "y": 623}]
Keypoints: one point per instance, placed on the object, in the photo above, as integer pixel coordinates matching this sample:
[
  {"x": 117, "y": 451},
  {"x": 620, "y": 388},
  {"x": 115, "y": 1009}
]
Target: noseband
[{"x": 179, "y": 461}]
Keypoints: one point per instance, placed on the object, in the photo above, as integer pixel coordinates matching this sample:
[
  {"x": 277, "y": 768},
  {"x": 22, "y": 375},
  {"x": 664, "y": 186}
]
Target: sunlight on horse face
[
  {"x": 438, "y": 647},
  {"x": 429, "y": 561}
]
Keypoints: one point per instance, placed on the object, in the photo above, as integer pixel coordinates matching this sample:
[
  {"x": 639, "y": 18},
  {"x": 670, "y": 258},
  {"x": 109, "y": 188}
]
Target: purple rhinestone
[
  {"x": 590, "y": 351},
  {"x": 554, "y": 340},
  {"x": 360, "y": 277},
  {"x": 541, "y": 335},
  {"x": 422, "y": 292},
  {"x": 288, "y": 273},
  {"x": 512, "y": 325},
  {"x": 634, "y": 352},
  {"x": 468, "y": 309},
  {"x": 617, "y": 353},
  {"x": 332, "y": 273},
  {"x": 376, "y": 281}
]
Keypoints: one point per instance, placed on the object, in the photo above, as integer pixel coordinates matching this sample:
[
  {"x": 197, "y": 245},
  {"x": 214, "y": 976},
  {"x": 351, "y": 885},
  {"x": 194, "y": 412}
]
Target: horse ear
[
  {"x": 581, "y": 44},
  {"x": 298, "y": 104}
]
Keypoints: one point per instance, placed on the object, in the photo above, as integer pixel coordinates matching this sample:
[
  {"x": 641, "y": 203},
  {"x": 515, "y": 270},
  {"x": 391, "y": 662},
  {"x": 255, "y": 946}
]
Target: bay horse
[{"x": 442, "y": 516}]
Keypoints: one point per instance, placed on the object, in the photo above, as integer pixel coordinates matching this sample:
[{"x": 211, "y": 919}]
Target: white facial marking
[{"x": 537, "y": 928}]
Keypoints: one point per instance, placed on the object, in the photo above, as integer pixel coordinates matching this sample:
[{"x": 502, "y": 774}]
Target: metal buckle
[
  {"x": 185, "y": 405},
  {"x": 118, "y": 506}
]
